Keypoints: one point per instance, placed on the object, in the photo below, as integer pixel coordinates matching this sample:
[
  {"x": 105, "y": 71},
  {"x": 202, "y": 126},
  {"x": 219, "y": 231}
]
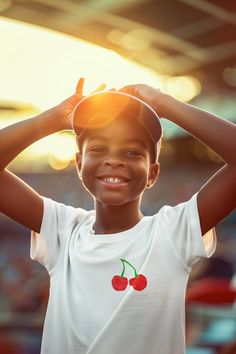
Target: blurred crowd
[{"x": 24, "y": 286}]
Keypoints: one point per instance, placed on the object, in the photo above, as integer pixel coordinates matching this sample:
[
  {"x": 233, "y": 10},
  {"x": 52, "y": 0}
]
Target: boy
[{"x": 118, "y": 278}]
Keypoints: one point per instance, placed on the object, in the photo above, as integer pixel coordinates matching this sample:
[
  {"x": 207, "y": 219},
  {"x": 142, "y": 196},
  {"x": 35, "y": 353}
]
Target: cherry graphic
[
  {"x": 139, "y": 283},
  {"x": 120, "y": 283}
]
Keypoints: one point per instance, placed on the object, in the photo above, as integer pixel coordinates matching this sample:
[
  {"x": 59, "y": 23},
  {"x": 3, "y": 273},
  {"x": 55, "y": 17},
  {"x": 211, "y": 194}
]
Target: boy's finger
[
  {"x": 100, "y": 88},
  {"x": 80, "y": 85},
  {"x": 127, "y": 89}
]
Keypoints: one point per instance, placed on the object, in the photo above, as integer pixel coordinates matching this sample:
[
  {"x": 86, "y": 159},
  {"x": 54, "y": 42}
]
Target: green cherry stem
[
  {"x": 122, "y": 274},
  {"x": 123, "y": 260}
]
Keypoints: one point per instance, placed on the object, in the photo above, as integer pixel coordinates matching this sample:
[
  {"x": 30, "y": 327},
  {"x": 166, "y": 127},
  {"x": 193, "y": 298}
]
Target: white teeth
[{"x": 112, "y": 179}]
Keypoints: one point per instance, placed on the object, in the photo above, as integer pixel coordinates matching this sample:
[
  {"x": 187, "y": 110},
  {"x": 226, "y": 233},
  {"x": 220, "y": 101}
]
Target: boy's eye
[
  {"x": 97, "y": 148},
  {"x": 133, "y": 153}
]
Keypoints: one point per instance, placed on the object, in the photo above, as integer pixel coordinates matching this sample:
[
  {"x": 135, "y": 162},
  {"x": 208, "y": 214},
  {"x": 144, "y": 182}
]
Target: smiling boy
[
  {"x": 118, "y": 278},
  {"x": 119, "y": 142}
]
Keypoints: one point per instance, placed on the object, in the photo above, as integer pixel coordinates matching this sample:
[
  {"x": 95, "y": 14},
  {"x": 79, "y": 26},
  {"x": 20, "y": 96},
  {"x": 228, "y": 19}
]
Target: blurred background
[{"x": 185, "y": 47}]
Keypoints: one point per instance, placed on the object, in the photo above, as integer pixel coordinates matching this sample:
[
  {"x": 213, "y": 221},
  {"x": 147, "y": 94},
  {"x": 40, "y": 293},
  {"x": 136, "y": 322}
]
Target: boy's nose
[{"x": 113, "y": 161}]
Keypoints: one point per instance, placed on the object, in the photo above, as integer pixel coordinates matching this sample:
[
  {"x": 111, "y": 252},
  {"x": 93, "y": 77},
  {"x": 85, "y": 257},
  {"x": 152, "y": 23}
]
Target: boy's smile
[
  {"x": 115, "y": 162},
  {"x": 113, "y": 182}
]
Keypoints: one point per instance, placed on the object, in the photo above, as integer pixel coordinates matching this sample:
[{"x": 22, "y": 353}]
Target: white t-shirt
[{"x": 85, "y": 313}]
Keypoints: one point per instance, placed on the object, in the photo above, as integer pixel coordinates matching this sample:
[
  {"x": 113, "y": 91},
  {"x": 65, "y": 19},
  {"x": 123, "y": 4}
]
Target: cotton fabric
[{"x": 85, "y": 314}]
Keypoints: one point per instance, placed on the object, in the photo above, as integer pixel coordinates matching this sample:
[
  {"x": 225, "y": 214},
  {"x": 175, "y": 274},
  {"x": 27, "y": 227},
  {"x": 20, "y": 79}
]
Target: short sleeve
[
  {"x": 184, "y": 232},
  {"x": 57, "y": 223}
]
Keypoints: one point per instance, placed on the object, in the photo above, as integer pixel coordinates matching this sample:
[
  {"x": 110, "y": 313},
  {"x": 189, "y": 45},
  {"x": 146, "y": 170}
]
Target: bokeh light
[{"x": 184, "y": 88}]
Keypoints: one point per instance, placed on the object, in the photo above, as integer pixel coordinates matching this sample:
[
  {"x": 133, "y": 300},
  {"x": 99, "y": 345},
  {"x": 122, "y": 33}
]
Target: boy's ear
[
  {"x": 78, "y": 156},
  {"x": 153, "y": 174}
]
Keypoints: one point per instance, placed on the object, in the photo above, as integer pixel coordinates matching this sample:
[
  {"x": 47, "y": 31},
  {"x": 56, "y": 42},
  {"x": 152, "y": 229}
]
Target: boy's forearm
[
  {"x": 17, "y": 137},
  {"x": 215, "y": 132}
]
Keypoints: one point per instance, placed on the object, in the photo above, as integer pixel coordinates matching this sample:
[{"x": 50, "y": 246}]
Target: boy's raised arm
[
  {"x": 17, "y": 200},
  {"x": 217, "y": 198}
]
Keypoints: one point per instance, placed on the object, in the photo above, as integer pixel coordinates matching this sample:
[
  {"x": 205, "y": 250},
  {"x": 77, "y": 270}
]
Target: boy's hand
[
  {"x": 153, "y": 97},
  {"x": 65, "y": 109}
]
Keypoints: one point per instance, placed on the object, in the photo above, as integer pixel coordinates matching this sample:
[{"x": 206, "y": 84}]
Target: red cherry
[
  {"x": 139, "y": 283},
  {"x": 119, "y": 283}
]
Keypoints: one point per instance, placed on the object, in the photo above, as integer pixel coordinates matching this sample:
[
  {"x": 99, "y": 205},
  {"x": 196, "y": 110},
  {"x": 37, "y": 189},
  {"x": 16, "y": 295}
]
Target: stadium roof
[{"x": 174, "y": 37}]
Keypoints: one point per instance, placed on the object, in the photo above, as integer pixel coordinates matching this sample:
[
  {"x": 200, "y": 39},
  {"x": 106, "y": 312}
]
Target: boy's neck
[{"x": 113, "y": 219}]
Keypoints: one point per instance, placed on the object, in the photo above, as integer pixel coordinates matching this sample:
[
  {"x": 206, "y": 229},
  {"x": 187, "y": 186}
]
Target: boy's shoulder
[
  {"x": 177, "y": 210},
  {"x": 65, "y": 211}
]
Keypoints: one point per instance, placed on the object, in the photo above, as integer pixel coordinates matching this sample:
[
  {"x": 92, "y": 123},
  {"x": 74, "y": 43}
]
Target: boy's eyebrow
[
  {"x": 95, "y": 137},
  {"x": 136, "y": 141}
]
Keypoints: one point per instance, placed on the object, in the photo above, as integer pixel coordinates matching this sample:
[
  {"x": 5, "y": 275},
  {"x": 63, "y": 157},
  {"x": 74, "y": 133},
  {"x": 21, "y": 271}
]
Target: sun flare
[{"x": 40, "y": 67}]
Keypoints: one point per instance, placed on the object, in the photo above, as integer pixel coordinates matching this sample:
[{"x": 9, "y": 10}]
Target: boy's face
[{"x": 122, "y": 150}]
